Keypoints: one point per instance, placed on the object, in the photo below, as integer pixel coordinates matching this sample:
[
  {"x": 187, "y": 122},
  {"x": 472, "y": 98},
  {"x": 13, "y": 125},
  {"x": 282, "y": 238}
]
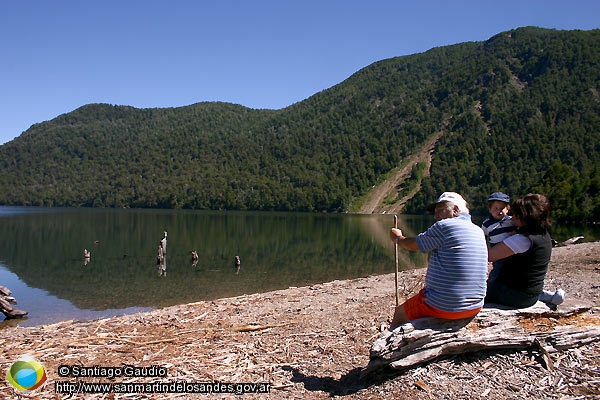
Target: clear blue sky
[{"x": 56, "y": 56}]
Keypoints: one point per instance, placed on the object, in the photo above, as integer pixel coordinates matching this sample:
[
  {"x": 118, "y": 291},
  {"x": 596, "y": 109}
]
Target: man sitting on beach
[{"x": 455, "y": 281}]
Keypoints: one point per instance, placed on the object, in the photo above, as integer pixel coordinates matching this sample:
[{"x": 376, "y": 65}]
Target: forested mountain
[{"x": 519, "y": 112}]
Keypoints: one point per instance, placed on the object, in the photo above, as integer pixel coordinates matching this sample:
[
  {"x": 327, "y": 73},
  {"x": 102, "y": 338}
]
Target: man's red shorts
[{"x": 415, "y": 307}]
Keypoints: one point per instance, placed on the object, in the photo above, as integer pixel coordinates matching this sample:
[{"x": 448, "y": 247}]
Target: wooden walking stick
[{"x": 396, "y": 259}]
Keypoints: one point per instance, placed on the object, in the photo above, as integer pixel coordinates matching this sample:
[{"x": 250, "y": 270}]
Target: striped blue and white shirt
[{"x": 457, "y": 271}]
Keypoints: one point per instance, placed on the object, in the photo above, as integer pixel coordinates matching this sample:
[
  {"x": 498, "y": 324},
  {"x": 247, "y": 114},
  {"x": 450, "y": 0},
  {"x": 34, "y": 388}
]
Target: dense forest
[{"x": 519, "y": 112}]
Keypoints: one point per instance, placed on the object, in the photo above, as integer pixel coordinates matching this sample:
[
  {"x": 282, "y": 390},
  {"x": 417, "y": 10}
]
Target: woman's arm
[
  {"x": 513, "y": 244},
  {"x": 499, "y": 251}
]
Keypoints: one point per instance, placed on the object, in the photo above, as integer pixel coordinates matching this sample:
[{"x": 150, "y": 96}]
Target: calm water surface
[{"x": 41, "y": 256}]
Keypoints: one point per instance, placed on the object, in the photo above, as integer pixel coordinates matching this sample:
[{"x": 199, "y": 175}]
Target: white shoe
[{"x": 558, "y": 297}]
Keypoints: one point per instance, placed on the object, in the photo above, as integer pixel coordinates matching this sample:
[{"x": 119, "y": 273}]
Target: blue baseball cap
[{"x": 499, "y": 196}]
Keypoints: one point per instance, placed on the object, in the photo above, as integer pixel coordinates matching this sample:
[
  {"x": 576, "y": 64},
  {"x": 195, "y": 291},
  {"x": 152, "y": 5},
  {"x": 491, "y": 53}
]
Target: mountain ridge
[{"x": 519, "y": 113}]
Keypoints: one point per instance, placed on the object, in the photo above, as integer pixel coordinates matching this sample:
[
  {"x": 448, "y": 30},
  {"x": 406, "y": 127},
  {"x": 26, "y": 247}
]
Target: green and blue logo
[{"x": 26, "y": 373}]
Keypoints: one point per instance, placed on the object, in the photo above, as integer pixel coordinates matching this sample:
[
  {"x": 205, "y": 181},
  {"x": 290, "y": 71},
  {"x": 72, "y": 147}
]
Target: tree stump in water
[
  {"x": 573, "y": 324},
  {"x": 5, "y": 304}
]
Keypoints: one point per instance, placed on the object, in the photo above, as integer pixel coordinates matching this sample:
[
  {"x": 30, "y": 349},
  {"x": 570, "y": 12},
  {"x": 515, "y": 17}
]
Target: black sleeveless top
[{"x": 525, "y": 272}]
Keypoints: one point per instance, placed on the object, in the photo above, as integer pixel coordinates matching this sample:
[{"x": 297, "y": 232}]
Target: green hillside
[{"x": 519, "y": 112}]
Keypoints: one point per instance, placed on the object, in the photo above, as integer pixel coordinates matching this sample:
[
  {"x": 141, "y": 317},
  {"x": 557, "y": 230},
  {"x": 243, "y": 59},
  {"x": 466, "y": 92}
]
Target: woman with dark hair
[{"x": 526, "y": 254}]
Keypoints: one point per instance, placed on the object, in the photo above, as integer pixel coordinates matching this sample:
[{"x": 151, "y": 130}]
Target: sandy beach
[{"x": 307, "y": 342}]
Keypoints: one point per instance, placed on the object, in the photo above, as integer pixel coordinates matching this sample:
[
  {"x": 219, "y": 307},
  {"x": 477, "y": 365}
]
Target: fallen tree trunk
[{"x": 495, "y": 327}]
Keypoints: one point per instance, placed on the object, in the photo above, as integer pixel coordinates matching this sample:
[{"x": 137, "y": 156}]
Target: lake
[{"x": 42, "y": 256}]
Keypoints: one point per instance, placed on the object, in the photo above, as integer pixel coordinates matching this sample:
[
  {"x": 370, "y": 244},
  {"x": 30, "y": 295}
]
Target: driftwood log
[
  {"x": 5, "y": 304},
  {"x": 571, "y": 325}
]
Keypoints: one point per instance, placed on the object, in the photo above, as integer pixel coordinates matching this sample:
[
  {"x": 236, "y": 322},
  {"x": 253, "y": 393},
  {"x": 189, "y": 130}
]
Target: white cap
[{"x": 453, "y": 198}]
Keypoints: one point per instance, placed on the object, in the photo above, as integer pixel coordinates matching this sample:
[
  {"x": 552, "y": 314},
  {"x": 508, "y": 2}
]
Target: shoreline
[{"x": 303, "y": 341}]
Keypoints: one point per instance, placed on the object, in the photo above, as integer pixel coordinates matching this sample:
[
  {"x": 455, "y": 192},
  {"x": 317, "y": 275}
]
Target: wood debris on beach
[{"x": 311, "y": 342}]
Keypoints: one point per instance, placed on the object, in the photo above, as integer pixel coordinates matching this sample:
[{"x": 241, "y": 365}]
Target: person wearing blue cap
[{"x": 498, "y": 225}]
